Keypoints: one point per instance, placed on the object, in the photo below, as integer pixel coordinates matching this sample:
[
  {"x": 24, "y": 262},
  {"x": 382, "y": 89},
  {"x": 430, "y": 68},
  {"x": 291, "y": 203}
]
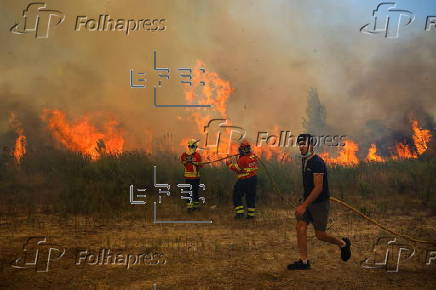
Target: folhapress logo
[
  {"x": 38, "y": 254},
  {"x": 38, "y": 19},
  {"x": 388, "y": 20}
]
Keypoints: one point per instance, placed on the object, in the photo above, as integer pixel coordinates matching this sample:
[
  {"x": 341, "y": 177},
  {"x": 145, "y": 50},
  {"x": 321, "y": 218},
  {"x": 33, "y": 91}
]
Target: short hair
[{"x": 306, "y": 138}]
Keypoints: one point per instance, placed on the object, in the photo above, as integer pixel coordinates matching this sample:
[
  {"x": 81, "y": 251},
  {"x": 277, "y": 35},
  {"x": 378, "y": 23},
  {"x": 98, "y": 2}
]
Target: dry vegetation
[{"x": 78, "y": 203}]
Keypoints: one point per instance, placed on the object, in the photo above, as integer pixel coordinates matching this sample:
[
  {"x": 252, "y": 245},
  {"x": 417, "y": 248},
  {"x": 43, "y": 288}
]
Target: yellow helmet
[
  {"x": 192, "y": 142},
  {"x": 192, "y": 146}
]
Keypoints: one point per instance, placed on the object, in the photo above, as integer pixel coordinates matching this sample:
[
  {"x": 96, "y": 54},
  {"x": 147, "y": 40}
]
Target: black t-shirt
[{"x": 311, "y": 166}]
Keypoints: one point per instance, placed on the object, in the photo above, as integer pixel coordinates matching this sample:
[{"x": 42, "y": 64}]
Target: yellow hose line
[{"x": 343, "y": 203}]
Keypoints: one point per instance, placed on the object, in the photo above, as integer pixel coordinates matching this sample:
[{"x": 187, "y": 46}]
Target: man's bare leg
[
  {"x": 301, "y": 228},
  {"x": 325, "y": 237}
]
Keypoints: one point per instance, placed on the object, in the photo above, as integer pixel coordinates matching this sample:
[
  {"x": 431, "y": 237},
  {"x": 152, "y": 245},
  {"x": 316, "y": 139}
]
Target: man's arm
[
  {"x": 198, "y": 161},
  {"x": 237, "y": 166},
  {"x": 317, "y": 189}
]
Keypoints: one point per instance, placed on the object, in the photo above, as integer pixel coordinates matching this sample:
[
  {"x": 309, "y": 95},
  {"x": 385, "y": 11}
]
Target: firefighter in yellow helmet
[
  {"x": 246, "y": 168},
  {"x": 191, "y": 160}
]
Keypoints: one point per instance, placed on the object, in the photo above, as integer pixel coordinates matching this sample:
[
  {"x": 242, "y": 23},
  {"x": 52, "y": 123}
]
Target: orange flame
[
  {"x": 421, "y": 138},
  {"x": 404, "y": 152},
  {"x": 20, "y": 142},
  {"x": 347, "y": 156},
  {"x": 273, "y": 150},
  {"x": 216, "y": 92},
  {"x": 208, "y": 89},
  {"x": 372, "y": 155},
  {"x": 84, "y": 137}
]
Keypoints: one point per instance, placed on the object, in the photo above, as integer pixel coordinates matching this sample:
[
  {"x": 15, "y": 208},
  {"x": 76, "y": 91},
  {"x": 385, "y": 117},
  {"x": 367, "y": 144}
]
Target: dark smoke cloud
[{"x": 272, "y": 52}]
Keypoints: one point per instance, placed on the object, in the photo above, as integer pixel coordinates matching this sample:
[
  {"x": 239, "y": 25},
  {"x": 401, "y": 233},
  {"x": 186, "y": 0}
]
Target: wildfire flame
[
  {"x": 216, "y": 92},
  {"x": 404, "y": 152},
  {"x": 209, "y": 89},
  {"x": 20, "y": 142},
  {"x": 274, "y": 150},
  {"x": 372, "y": 155},
  {"x": 421, "y": 138},
  {"x": 346, "y": 157},
  {"x": 84, "y": 137}
]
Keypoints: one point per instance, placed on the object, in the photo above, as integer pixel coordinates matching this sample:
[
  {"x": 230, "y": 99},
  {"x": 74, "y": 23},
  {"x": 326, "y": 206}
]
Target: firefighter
[
  {"x": 192, "y": 163},
  {"x": 246, "y": 168}
]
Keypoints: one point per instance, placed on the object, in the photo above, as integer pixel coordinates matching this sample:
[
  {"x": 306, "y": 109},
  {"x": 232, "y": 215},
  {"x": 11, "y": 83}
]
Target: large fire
[
  {"x": 348, "y": 154},
  {"x": 20, "y": 142},
  {"x": 84, "y": 137},
  {"x": 210, "y": 89}
]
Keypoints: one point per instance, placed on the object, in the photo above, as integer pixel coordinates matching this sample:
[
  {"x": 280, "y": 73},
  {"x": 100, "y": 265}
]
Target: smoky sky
[{"x": 271, "y": 52}]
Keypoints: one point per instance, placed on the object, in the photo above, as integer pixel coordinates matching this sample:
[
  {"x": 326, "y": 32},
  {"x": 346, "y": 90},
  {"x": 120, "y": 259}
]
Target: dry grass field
[
  {"x": 82, "y": 207},
  {"x": 226, "y": 254}
]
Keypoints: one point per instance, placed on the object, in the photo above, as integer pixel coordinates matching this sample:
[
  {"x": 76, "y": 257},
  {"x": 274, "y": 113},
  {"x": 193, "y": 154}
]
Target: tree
[{"x": 315, "y": 121}]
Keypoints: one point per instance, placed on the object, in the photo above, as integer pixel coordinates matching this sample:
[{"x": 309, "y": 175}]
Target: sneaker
[
  {"x": 346, "y": 250},
  {"x": 299, "y": 265}
]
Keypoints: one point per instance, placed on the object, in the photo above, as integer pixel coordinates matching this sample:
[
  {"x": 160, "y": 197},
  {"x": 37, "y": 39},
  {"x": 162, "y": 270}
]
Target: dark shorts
[{"x": 317, "y": 214}]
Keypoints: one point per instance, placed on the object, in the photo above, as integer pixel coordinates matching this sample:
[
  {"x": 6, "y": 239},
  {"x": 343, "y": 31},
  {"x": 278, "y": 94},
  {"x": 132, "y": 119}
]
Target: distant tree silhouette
[{"x": 315, "y": 121}]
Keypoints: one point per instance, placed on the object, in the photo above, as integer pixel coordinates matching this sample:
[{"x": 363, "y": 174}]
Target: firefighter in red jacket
[
  {"x": 246, "y": 168},
  {"x": 192, "y": 163}
]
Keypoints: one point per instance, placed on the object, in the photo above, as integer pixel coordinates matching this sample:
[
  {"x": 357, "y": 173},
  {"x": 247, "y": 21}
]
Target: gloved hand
[{"x": 231, "y": 161}]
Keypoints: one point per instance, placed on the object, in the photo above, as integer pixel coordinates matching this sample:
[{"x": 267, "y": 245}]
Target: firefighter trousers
[
  {"x": 195, "y": 183},
  {"x": 245, "y": 187}
]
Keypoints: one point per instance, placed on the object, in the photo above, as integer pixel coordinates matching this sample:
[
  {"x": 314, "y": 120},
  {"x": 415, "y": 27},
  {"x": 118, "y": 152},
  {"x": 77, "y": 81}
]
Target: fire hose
[{"x": 343, "y": 203}]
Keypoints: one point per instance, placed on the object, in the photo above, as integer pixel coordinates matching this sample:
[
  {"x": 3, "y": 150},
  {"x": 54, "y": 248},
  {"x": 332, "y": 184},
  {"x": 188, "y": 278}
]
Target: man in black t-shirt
[
  {"x": 311, "y": 166},
  {"x": 316, "y": 205}
]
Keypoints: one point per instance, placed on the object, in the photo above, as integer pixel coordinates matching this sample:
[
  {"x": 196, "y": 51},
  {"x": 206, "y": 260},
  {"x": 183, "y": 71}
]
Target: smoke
[{"x": 271, "y": 52}]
